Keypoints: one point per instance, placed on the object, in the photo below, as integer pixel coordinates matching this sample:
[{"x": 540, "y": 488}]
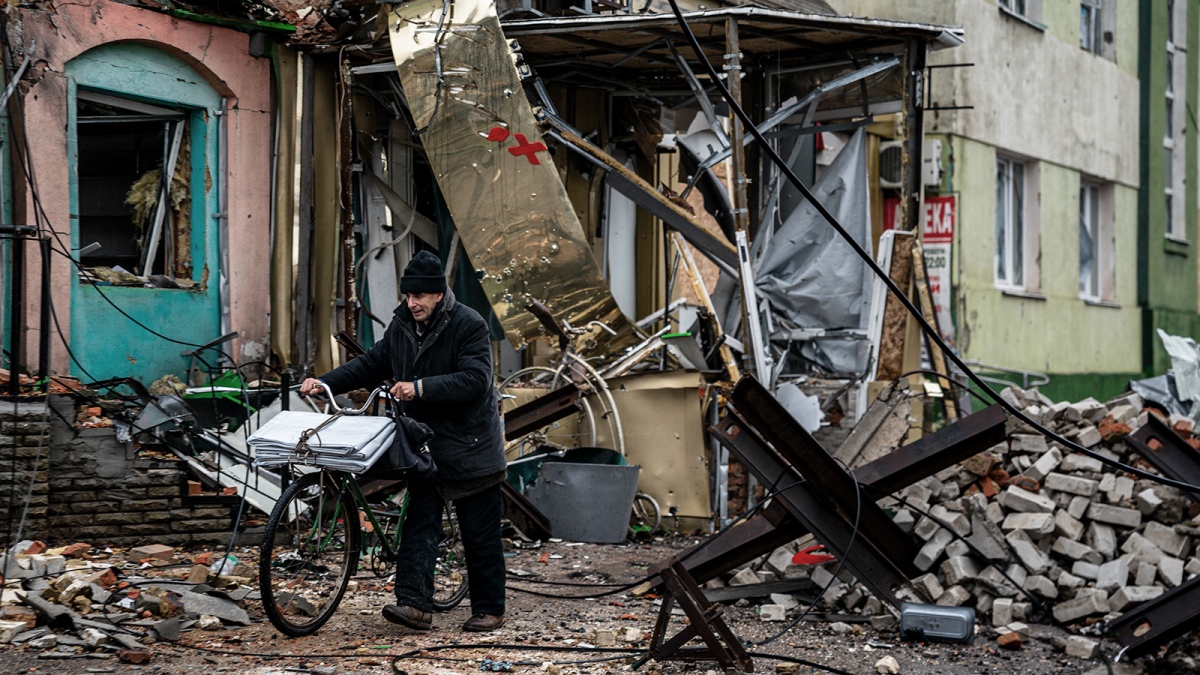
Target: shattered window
[
  {"x": 1010, "y": 223},
  {"x": 1089, "y": 241},
  {"x": 139, "y": 218},
  {"x": 1089, "y": 26}
]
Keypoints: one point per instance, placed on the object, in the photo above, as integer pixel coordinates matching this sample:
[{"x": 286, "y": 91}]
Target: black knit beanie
[{"x": 423, "y": 275}]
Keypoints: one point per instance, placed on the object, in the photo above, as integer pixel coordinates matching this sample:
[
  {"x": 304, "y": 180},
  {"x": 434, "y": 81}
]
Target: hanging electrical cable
[{"x": 912, "y": 309}]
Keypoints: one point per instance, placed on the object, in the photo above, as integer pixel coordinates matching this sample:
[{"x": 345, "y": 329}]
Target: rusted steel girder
[
  {"x": 773, "y": 526},
  {"x": 1158, "y": 621}
]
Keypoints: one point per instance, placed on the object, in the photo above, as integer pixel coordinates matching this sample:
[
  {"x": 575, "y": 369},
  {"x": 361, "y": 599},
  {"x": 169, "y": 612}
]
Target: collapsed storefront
[{"x": 589, "y": 164}]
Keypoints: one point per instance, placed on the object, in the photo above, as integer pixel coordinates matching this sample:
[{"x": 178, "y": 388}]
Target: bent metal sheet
[{"x": 509, "y": 205}]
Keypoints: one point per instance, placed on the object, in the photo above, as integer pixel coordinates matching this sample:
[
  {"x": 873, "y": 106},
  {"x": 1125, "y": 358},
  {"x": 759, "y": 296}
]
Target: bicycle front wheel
[
  {"x": 450, "y": 573},
  {"x": 309, "y": 552}
]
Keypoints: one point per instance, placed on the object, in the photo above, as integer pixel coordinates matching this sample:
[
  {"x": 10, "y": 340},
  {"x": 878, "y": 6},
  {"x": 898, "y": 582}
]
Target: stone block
[
  {"x": 956, "y": 548},
  {"x": 1128, "y": 596},
  {"x": 1087, "y": 602},
  {"x": 780, "y": 559},
  {"x": 929, "y": 585},
  {"x": 10, "y": 630},
  {"x": 1041, "y": 585},
  {"x": 1114, "y": 515},
  {"x": 1030, "y": 556},
  {"x": 1145, "y": 574},
  {"x": 925, "y": 528},
  {"x": 1061, "y": 482},
  {"x": 955, "y": 596},
  {"x": 1170, "y": 570},
  {"x": 1036, "y": 523},
  {"x": 985, "y": 535},
  {"x": 1147, "y": 501},
  {"x": 1088, "y": 436},
  {"x": 1017, "y": 499},
  {"x": 1034, "y": 444},
  {"x": 932, "y": 550},
  {"x": 1108, "y": 482},
  {"x": 1081, "y": 647},
  {"x": 1067, "y": 525},
  {"x": 962, "y": 568},
  {"x": 744, "y": 577},
  {"x": 1076, "y": 550},
  {"x": 1103, "y": 538},
  {"x": 1112, "y": 575},
  {"x": 1166, "y": 538},
  {"x": 1141, "y": 548},
  {"x": 772, "y": 613},
  {"x": 1048, "y": 462},
  {"x": 1068, "y": 581},
  {"x": 1123, "y": 414},
  {"x": 154, "y": 551},
  {"x": 1085, "y": 569},
  {"x": 993, "y": 581},
  {"x": 1076, "y": 462},
  {"x": 955, "y": 520},
  {"x": 1077, "y": 507},
  {"x": 1122, "y": 490},
  {"x": 905, "y": 519},
  {"x": 1002, "y": 612}
]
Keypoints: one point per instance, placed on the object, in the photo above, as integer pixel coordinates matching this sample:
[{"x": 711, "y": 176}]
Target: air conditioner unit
[
  {"x": 891, "y": 155},
  {"x": 891, "y": 160}
]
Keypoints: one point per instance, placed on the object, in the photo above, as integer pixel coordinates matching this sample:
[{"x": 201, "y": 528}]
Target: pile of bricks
[
  {"x": 77, "y": 602},
  {"x": 1087, "y": 540}
]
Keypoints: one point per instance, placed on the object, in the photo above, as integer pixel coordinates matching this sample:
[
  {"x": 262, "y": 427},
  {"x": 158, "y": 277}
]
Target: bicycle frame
[{"x": 346, "y": 483}]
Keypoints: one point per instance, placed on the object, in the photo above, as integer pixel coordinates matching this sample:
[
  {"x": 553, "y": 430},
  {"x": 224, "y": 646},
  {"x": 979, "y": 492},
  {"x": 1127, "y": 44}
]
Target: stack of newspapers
[{"x": 346, "y": 443}]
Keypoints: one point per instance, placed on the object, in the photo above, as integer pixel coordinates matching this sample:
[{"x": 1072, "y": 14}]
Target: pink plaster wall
[{"x": 221, "y": 56}]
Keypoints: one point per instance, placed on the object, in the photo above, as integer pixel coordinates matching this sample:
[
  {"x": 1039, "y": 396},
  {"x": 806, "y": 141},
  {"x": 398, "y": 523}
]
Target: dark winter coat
[{"x": 458, "y": 400}]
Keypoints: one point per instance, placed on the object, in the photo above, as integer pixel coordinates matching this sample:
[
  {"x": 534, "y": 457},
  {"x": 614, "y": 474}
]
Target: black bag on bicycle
[{"x": 409, "y": 456}]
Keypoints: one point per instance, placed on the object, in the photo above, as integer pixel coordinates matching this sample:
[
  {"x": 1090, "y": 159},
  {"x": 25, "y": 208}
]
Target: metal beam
[
  {"x": 772, "y": 526},
  {"x": 1158, "y": 443}
]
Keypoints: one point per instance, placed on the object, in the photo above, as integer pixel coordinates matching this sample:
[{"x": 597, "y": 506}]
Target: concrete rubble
[
  {"x": 1058, "y": 536},
  {"x": 77, "y": 601}
]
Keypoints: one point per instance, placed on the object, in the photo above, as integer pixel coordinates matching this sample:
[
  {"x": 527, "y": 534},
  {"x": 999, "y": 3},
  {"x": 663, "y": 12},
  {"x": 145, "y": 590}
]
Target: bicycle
[{"x": 315, "y": 536}]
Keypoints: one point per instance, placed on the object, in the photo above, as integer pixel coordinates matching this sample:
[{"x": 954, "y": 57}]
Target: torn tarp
[{"x": 810, "y": 275}]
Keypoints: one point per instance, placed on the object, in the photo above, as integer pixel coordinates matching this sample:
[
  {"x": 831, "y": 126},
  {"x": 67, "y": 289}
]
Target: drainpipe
[{"x": 223, "y": 216}]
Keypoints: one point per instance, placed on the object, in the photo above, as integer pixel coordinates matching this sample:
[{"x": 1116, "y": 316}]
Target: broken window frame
[
  {"x": 1090, "y": 232},
  {"x": 1091, "y": 13},
  {"x": 175, "y": 126},
  {"x": 1011, "y": 201},
  {"x": 1175, "y": 90}
]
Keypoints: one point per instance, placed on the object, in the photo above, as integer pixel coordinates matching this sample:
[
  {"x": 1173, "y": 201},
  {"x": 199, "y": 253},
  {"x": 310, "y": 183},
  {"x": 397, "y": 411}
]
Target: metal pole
[
  {"x": 44, "y": 323},
  {"x": 18, "y": 316}
]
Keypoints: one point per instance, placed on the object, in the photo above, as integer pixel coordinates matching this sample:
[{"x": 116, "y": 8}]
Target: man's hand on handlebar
[
  {"x": 404, "y": 391},
  {"x": 311, "y": 386}
]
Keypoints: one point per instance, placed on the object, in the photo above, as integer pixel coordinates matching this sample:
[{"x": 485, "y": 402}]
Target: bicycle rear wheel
[
  {"x": 450, "y": 573},
  {"x": 309, "y": 552}
]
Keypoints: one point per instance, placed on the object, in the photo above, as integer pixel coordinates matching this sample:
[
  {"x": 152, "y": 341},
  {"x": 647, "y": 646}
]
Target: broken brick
[
  {"x": 205, "y": 558},
  {"x": 104, "y": 578},
  {"x": 1183, "y": 428},
  {"x": 153, "y": 551},
  {"x": 1000, "y": 476},
  {"x": 34, "y": 548},
  {"x": 229, "y": 491},
  {"x": 1111, "y": 430},
  {"x": 194, "y": 488},
  {"x": 135, "y": 656},
  {"x": 75, "y": 550},
  {"x": 1026, "y": 483},
  {"x": 1009, "y": 640},
  {"x": 988, "y": 487}
]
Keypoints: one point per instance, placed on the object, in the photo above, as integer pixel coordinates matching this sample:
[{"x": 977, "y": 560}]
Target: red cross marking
[{"x": 524, "y": 147}]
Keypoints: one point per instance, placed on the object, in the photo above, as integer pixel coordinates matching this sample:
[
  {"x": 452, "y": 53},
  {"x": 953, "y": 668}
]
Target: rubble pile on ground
[
  {"x": 79, "y": 602},
  {"x": 1030, "y": 531}
]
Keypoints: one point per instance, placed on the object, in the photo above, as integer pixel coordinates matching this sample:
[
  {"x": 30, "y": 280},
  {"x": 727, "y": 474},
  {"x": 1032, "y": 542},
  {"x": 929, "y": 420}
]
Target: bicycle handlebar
[{"x": 351, "y": 410}]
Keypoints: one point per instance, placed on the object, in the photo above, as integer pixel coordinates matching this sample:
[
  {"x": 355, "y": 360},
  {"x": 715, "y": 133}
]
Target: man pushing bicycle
[{"x": 439, "y": 354}]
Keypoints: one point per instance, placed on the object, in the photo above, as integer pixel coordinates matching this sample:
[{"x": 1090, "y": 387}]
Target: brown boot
[
  {"x": 408, "y": 616},
  {"x": 482, "y": 623}
]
